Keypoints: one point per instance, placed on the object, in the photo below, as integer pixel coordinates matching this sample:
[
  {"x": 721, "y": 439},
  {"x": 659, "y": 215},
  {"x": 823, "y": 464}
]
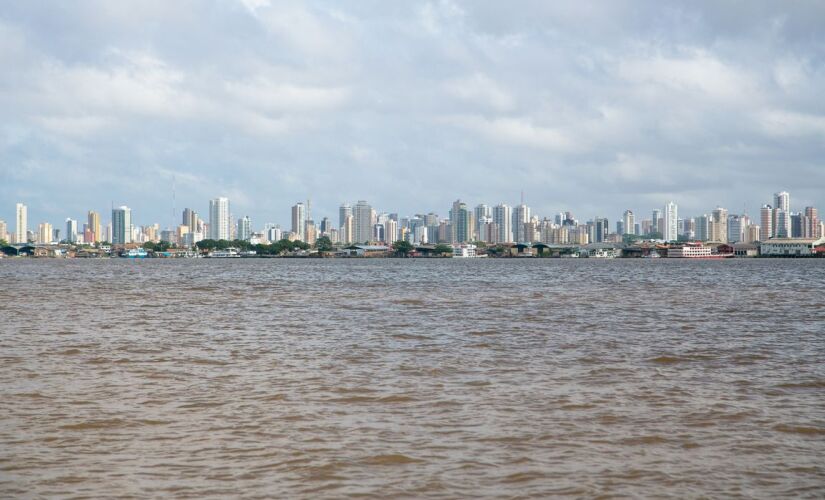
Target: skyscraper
[
  {"x": 190, "y": 219},
  {"x": 121, "y": 225},
  {"x": 71, "y": 230},
  {"x": 299, "y": 219},
  {"x": 347, "y": 229},
  {"x": 94, "y": 226},
  {"x": 362, "y": 221},
  {"x": 736, "y": 228},
  {"x": 719, "y": 229},
  {"x": 480, "y": 213},
  {"x": 219, "y": 222},
  {"x": 521, "y": 215},
  {"x": 21, "y": 228},
  {"x": 44, "y": 233},
  {"x": 3, "y": 230},
  {"x": 343, "y": 211},
  {"x": 244, "y": 230},
  {"x": 656, "y": 223},
  {"x": 629, "y": 222},
  {"x": 460, "y": 222},
  {"x": 670, "y": 230},
  {"x": 782, "y": 215},
  {"x": 765, "y": 223},
  {"x": 502, "y": 218},
  {"x": 813, "y": 222},
  {"x": 601, "y": 229}
]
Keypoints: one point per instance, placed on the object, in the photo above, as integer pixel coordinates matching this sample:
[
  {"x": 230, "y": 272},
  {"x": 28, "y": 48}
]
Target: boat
[
  {"x": 135, "y": 253},
  {"x": 229, "y": 253}
]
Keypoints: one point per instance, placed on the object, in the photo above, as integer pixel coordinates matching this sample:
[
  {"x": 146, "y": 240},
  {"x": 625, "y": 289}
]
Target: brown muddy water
[{"x": 412, "y": 378}]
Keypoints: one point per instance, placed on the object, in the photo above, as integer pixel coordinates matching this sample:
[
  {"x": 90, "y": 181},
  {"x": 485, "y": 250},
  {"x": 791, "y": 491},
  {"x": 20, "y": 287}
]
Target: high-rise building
[
  {"x": 343, "y": 211},
  {"x": 657, "y": 226},
  {"x": 21, "y": 229},
  {"x": 362, "y": 222},
  {"x": 71, "y": 230},
  {"x": 703, "y": 224},
  {"x": 766, "y": 223},
  {"x": 95, "y": 227},
  {"x": 190, "y": 219},
  {"x": 244, "y": 230},
  {"x": 736, "y": 228},
  {"x": 391, "y": 231},
  {"x": 44, "y": 233},
  {"x": 299, "y": 219},
  {"x": 347, "y": 229},
  {"x": 812, "y": 229},
  {"x": 219, "y": 221},
  {"x": 669, "y": 224},
  {"x": 502, "y": 218},
  {"x": 480, "y": 212},
  {"x": 121, "y": 225},
  {"x": 310, "y": 232},
  {"x": 601, "y": 229},
  {"x": 781, "y": 214},
  {"x": 521, "y": 215},
  {"x": 4, "y": 231},
  {"x": 629, "y": 222},
  {"x": 460, "y": 223},
  {"x": 719, "y": 229}
]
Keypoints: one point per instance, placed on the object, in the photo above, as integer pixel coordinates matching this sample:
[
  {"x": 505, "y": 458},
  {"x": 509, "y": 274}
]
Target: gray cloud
[{"x": 590, "y": 106}]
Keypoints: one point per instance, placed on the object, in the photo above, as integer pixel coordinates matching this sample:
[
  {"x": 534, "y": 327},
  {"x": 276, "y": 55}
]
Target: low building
[
  {"x": 790, "y": 247},
  {"x": 746, "y": 250},
  {"x": 367, "y": 251},
  {"x": 464, "y": 250}
]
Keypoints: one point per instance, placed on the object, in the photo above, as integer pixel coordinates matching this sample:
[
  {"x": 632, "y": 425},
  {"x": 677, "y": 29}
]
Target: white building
[
  {"x": 21, "y": 228},
  {"x": 521, "y": 216},
  {"x": 690, "y": 251},
  {"x": 670, "y": 224},
  {"x": 629, "y": 222},
  {"x": 219, "y": 223},
  {"x": 244, "y": 228},
  {"x": 790, "y": 247},
  {"x": 299, "y": 220},
  {"x": 502, "y": 218},
  {"x": 362, "y": 222}
]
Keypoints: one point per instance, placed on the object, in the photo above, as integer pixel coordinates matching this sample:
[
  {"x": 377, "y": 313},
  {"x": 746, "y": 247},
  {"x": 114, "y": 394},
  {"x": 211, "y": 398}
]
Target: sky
[{"x": 592, "y": 107}]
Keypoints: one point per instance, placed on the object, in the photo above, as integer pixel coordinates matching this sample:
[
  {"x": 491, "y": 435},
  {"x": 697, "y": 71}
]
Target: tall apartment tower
[
  {"x": 460, "y": 222},
  {"x": 71, "y": 230},
  {"x": 343, "y": 211},
  {"x": 503, "y": 219},
  {"x": 629, "y": 222},
  {"x": 765, "y": 223},
  {"x": 21, "y": 228},
  {"x": 299, "y": 220},
  {"x": 244, "y": 230},
  {"x": 219, "y": 222},
  {"x": 93, "y": 219},
  {"x": 670, "y": 222},
  {"x": 782, "y": 215},
  {"x": 362, "y": 222},
  {"x": 813, "y": 222},
  {"x": 719, "y": 232},
  {"x": 521, "y": 216},
  {"x": 656, "y": 225},
  {"x": 121, "y": 225}
]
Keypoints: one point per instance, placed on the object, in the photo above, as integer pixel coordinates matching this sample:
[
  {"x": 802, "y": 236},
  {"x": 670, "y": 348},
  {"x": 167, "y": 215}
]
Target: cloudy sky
[{"x": 593, "y": 107}]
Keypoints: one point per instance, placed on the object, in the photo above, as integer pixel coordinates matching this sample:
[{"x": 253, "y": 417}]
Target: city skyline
[
  {"x": 594, "y": 107},
  {"x": 501, "y": 223}
]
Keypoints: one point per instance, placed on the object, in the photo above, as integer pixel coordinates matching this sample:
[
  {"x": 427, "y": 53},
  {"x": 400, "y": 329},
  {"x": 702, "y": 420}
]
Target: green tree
[
  {"x": 402, "y": 247},
  {"x": 443, "y": 249},
  {"x": 324, "y": 244},
  {"x": 3, "y": 243}
]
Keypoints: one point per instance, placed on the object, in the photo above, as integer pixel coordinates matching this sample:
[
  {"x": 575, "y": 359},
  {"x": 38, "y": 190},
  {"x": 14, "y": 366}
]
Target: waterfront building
[
  {"x": 244, "y": 230},
  {"x": 502, "y": 218},
  {"x": 21, "y": 229},
  {"x": 71, "y": 231},
  {"x": 121, "y": 225},
  {"x": 790, "y": 247},
  {"x": 766, "y": 223},
  {"x": 299, "y": 219},
  {"x": 362, "y": 215},
  {"x": 670, "y": 230},
  {"x": 690, "y": 251},
  {"x": 219, "y": 221},
  {"x": 464, "y": 250},
  {"x": 628, "y": 222}
]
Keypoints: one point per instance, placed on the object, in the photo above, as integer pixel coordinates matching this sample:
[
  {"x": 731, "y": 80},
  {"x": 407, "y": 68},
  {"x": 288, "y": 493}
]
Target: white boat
[{"x": 224, "y": 254}]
